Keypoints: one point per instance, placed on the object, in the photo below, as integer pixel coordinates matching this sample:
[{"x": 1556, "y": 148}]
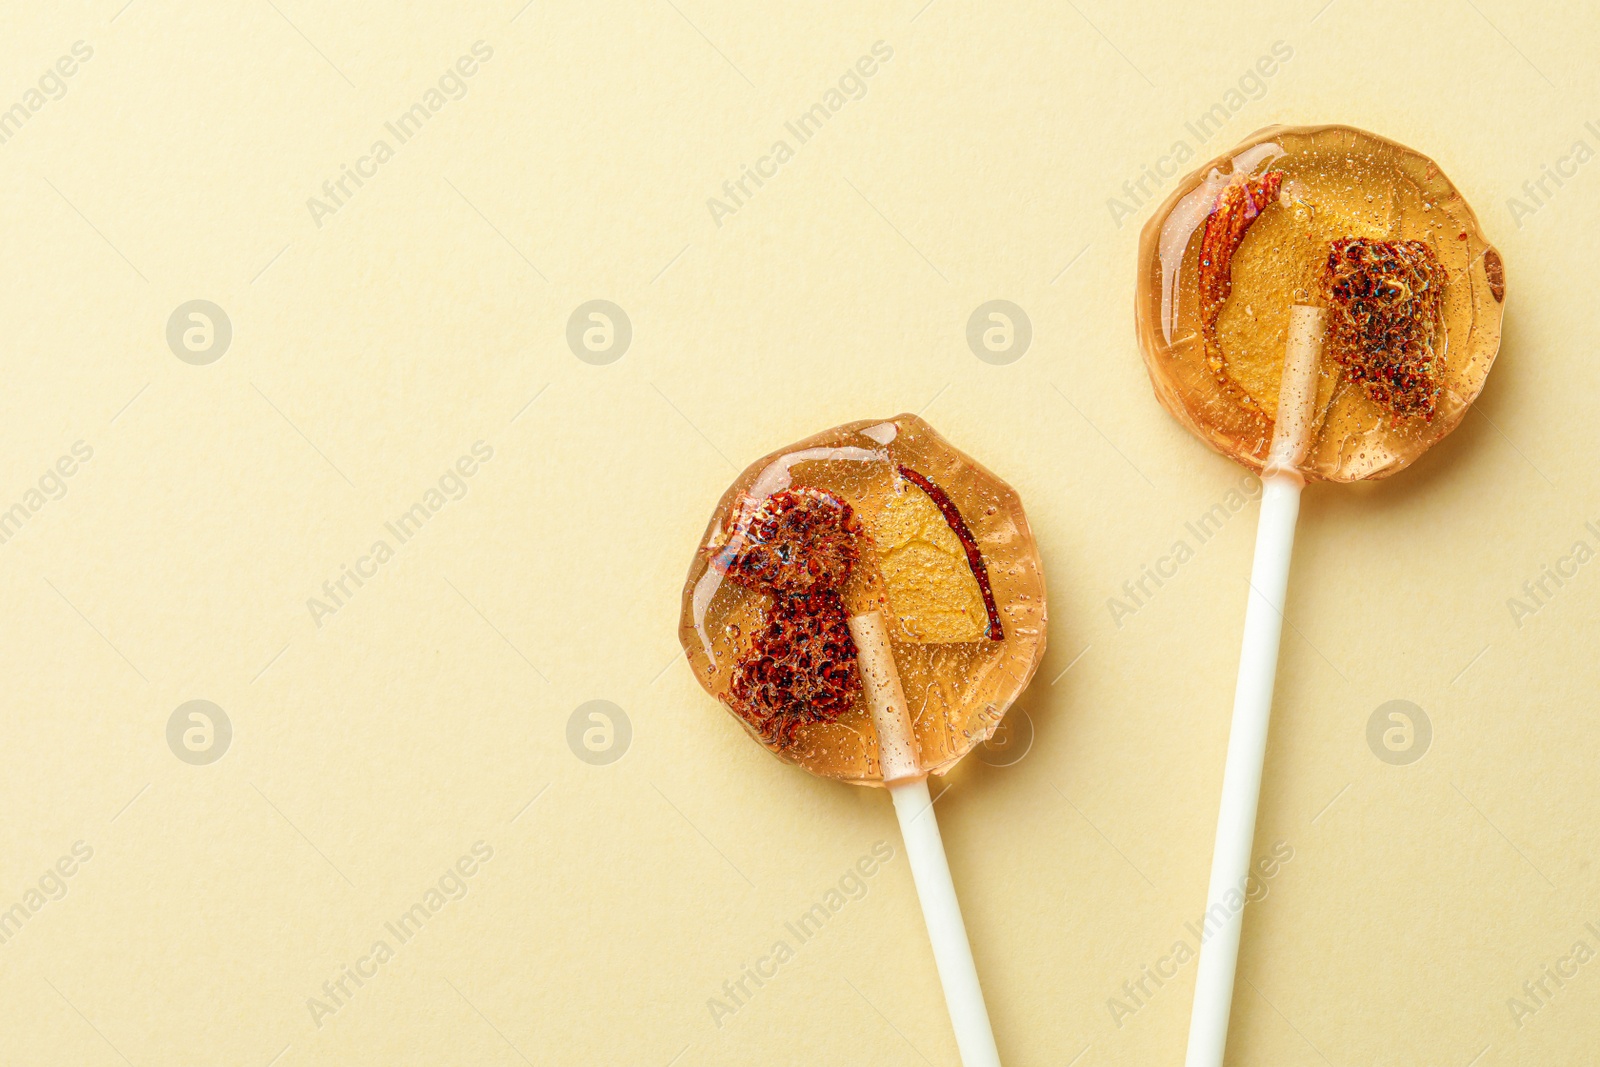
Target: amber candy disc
[
  {"x": 880, "y": 515},
  {"x": 1344, "y": 220}
]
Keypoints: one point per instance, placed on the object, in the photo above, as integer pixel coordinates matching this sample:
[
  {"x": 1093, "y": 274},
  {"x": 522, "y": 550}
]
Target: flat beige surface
[{"x": 376, "y": 741}]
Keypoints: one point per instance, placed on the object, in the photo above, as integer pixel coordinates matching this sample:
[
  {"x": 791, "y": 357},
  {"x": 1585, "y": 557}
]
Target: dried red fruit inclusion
[
  {"x": 799, "y": 546},
  {"x": 1385, "y": 302},
  {"x": 1239, "y": 205}
]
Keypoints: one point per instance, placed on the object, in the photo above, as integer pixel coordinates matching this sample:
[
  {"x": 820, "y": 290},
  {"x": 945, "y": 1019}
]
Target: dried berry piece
[
  {"x": 799, "y": 668},
  {"x": 792, "y": 542},
  {"x": 1239, "y": 205},
  {"x": 1495, "y": 271},
  {"x": 1385, "y": 312}
]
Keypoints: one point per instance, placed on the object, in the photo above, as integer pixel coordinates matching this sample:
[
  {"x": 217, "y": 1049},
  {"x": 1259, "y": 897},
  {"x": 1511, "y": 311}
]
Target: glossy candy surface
[
  {"x": 880, "y": 515},
  {"x": 1340, "y": 219}
]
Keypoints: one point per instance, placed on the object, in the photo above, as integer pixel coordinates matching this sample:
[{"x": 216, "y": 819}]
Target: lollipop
[
  {"x": 868, "y": 603},
  {"x": 1317, "y": 304}
]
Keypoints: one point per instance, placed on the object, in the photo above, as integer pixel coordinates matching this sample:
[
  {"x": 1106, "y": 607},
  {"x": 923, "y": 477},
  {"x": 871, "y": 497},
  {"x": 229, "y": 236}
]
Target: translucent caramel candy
[
  {"x": 1340, "y": 219},
  {"x": 874, "y": 516}
]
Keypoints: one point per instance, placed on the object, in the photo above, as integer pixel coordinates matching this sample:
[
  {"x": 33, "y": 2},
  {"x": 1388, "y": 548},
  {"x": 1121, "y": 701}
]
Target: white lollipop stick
[
  {"x": 908, "y": 786},
  {"x": 1252, "y": 700}
]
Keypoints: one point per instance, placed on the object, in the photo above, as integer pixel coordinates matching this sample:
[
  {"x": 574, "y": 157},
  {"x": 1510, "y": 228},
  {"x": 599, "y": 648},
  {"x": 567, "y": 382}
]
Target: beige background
[{"x": 369, "y": 353}]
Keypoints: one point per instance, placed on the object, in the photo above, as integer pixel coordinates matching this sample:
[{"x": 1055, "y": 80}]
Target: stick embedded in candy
[
  {"x": 1318, "y": 304},
  {"x": 868, "y": 603}
]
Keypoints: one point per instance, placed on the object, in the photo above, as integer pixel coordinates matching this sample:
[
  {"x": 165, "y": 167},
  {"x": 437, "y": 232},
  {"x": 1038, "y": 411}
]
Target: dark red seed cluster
[
  {"x": 1385, "y": 310},
  {"x": 800, "y": 667},
  {"x": 799, "y": 546},
  {"x": 795, "y": 541}
]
